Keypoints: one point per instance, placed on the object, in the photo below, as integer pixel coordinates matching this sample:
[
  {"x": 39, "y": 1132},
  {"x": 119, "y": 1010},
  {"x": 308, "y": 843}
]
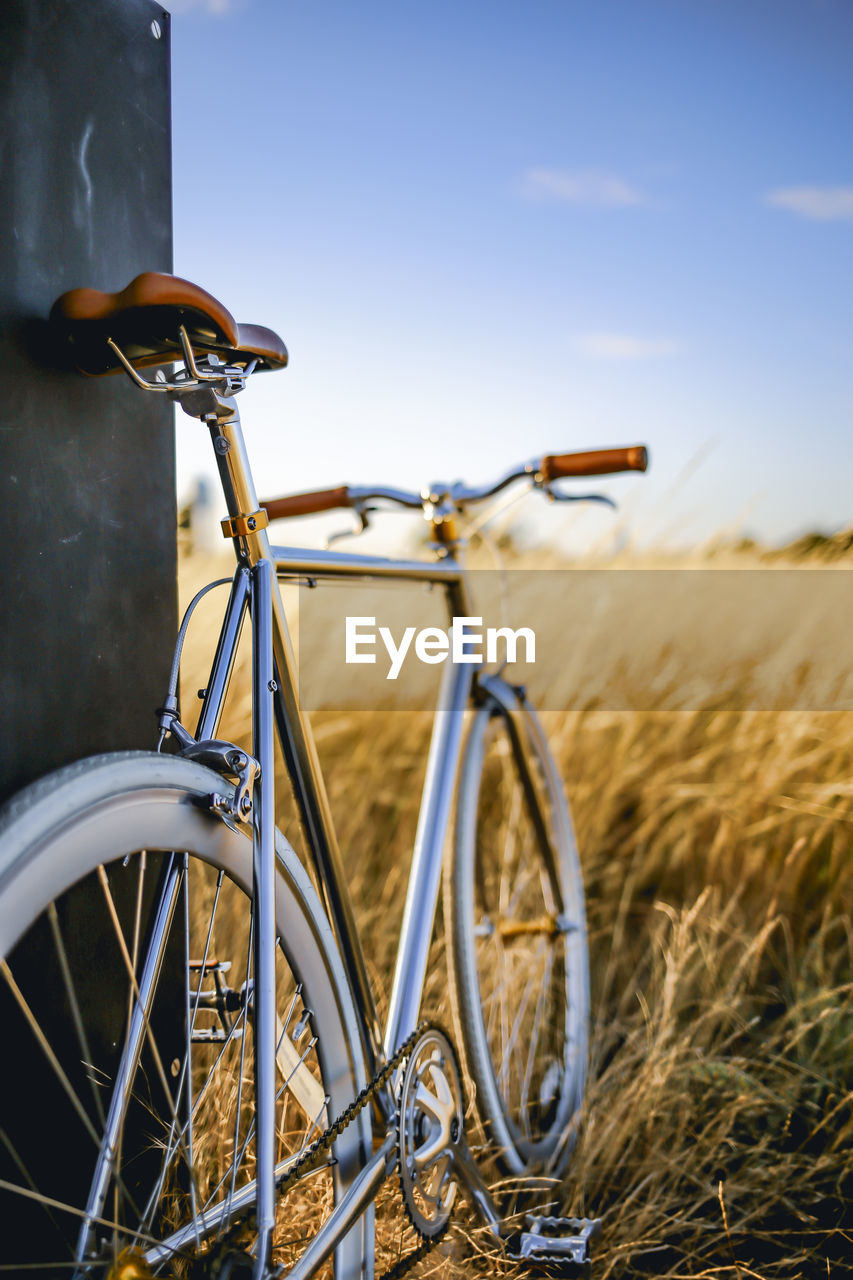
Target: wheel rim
[
  {"x": 523, "y": 972},
  {"x": 175, "y": 1180}
]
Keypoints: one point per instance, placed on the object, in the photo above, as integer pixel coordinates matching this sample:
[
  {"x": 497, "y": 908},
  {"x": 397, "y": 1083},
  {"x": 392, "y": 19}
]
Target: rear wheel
[
  {"x": 516, "y": 932},
  {"x": 88, "y": 858}
]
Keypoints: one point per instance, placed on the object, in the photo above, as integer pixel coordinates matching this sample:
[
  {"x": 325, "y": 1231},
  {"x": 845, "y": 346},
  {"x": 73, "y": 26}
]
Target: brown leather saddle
[{"x": 144, "y": 321}]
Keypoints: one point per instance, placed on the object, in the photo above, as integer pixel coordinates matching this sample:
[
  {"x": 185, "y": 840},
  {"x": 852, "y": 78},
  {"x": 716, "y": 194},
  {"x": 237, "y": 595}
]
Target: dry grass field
[{"x": 704, "y": 728}]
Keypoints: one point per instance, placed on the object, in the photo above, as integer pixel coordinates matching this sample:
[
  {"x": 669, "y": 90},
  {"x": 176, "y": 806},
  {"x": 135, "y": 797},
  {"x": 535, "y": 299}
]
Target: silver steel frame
[
  {"x": 275, "y": 690},
  {"x": 276, "y": 706}
]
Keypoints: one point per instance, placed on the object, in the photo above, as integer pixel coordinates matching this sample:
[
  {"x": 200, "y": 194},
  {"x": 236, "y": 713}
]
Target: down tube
[{"x": 424, "y": 878}]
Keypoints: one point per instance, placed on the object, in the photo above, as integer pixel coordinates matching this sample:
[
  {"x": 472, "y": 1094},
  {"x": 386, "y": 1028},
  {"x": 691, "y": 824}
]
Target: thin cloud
[
  {"x": 624, "y": 346},
  {"x": 594, "y": 188},
  {"x": 822, "y": 204}
]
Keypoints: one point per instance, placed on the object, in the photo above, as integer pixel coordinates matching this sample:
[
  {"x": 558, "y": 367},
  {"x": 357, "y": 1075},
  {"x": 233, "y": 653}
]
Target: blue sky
[{"x": 487, "y": 230}]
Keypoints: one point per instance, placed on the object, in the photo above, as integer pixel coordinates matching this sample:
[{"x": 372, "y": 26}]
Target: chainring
[{"x": 430, "y": 1112}]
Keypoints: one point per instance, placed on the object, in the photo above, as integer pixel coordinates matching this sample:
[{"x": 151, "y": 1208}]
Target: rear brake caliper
[{"x": 225, "y": 758}]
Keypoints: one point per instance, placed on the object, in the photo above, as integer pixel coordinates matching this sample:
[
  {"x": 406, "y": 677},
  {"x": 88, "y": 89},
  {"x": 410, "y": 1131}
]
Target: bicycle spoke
[
  {"x": 251, "y": 1132},
  {"x": 128, "y": 963},
  {"x": 54, "y": 1062},
  {"x": 534, "y": 1037},
  {"x": 38, "y": 1266},
  {"x": 176, "y": 1128},
  {"x": 10, "y": 1147},
  {"x": 220, "y": 1215},
  {"x": 489, "y": 1002},
  {"x": 237, "y": 1029},
  {"x": 49, "y": 1053},
  {"x": 509, "y": 859},
  {"x": 179, "y": 1131},
  {"x": 62, "y": 1207},
  {"x": 156, "y": 1101},
  {"x": 502, "y": 997},
  {"x": 137, "y": 922},
  {"x": 173, "y": 1145},
  {"x": 207, "y": 942},
  {"x": 298, "y": 1067},
  {"x": 210, "y": 1201},
  {"x": 76, "y": 1014},
  {"x": 188, "y": 1056},
  {"x": 240, "y": 1075},
  {"x": 523, "y": 880},
  {"x": 283, "y": 1165},
  {"x": 137, "y": 916},
  {"x": 149, "y": 1032},
  {"x": 511, "y": 1043}
]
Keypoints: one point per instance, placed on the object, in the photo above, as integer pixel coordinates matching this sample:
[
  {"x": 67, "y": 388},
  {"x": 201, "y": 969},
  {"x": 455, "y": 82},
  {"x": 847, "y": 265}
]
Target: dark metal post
[{"x": 87, "y": 511}]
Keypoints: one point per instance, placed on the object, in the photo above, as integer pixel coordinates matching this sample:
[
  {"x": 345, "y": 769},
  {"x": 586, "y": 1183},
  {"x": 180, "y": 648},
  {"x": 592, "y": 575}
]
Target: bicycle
[{"x": 215, "y": 1094}]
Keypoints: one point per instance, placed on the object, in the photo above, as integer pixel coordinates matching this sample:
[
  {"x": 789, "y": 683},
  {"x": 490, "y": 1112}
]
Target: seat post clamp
[{"x": 242, "y": 526}]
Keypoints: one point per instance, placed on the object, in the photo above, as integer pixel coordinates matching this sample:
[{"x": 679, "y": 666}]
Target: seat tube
[
  {"x": 263, "y": 690},
  {"x": 297, "y": 741}
]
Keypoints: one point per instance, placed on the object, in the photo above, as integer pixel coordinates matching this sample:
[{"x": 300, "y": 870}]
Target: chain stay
[{"x": 311, "y": 1157}]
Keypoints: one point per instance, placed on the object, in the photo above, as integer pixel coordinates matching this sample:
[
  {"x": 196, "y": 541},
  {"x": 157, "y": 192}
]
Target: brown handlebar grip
[
  {"x": 596, "y": 462},
  {"x": 306, "y": 504}
]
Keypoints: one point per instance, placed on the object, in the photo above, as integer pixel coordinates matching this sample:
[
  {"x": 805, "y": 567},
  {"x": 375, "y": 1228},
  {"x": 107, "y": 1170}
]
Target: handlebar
[
  {"x": 306, "y": 504},
  {"x": 597, "y": 462},
  {"x": 553, "y": 466}
]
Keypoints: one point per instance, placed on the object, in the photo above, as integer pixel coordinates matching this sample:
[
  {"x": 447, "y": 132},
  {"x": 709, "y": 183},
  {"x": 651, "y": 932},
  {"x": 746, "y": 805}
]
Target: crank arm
[
  {"x": 546, "y": 1239},
  {"x": 474, "y": 1186}
]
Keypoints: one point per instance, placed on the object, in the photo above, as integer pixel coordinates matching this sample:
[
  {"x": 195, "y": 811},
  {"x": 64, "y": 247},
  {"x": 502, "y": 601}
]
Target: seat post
[{"x": 235, "y": 474}]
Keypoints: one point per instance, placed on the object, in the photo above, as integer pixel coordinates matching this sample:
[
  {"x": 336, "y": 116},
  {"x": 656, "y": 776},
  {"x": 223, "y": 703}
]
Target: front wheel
[
  {"x": 516, "y": 930},
  {"x": 119, "y": 891}
]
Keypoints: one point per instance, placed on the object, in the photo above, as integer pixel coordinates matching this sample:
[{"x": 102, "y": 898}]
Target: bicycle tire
[
  {"x": 516, "y": 941},
  {"x": 101, "y": 832}
]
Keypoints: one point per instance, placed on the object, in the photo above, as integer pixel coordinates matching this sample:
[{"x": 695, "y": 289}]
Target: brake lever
[
  {"x": 555, "y": 495},
  {"x": 362, "y": 523}
]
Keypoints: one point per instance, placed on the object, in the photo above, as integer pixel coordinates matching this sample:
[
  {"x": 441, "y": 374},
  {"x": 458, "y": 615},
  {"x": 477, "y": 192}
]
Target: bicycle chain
[
  {"x": 311, "y": 1157},
  {"x": 425, "y": 1245}
]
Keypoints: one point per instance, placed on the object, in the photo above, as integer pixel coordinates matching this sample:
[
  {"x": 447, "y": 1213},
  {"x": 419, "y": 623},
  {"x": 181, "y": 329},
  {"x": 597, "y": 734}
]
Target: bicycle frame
[
  {"x": 275, "y": 689},
  {"x": 276, "y": 705}
]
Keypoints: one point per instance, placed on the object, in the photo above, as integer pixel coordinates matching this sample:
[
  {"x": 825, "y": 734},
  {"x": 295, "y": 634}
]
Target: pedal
[
  {"x": 214, "y": 1035},
  {"x": 221, "y": 1000},
  {"x": 555, "y": 1240}
]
